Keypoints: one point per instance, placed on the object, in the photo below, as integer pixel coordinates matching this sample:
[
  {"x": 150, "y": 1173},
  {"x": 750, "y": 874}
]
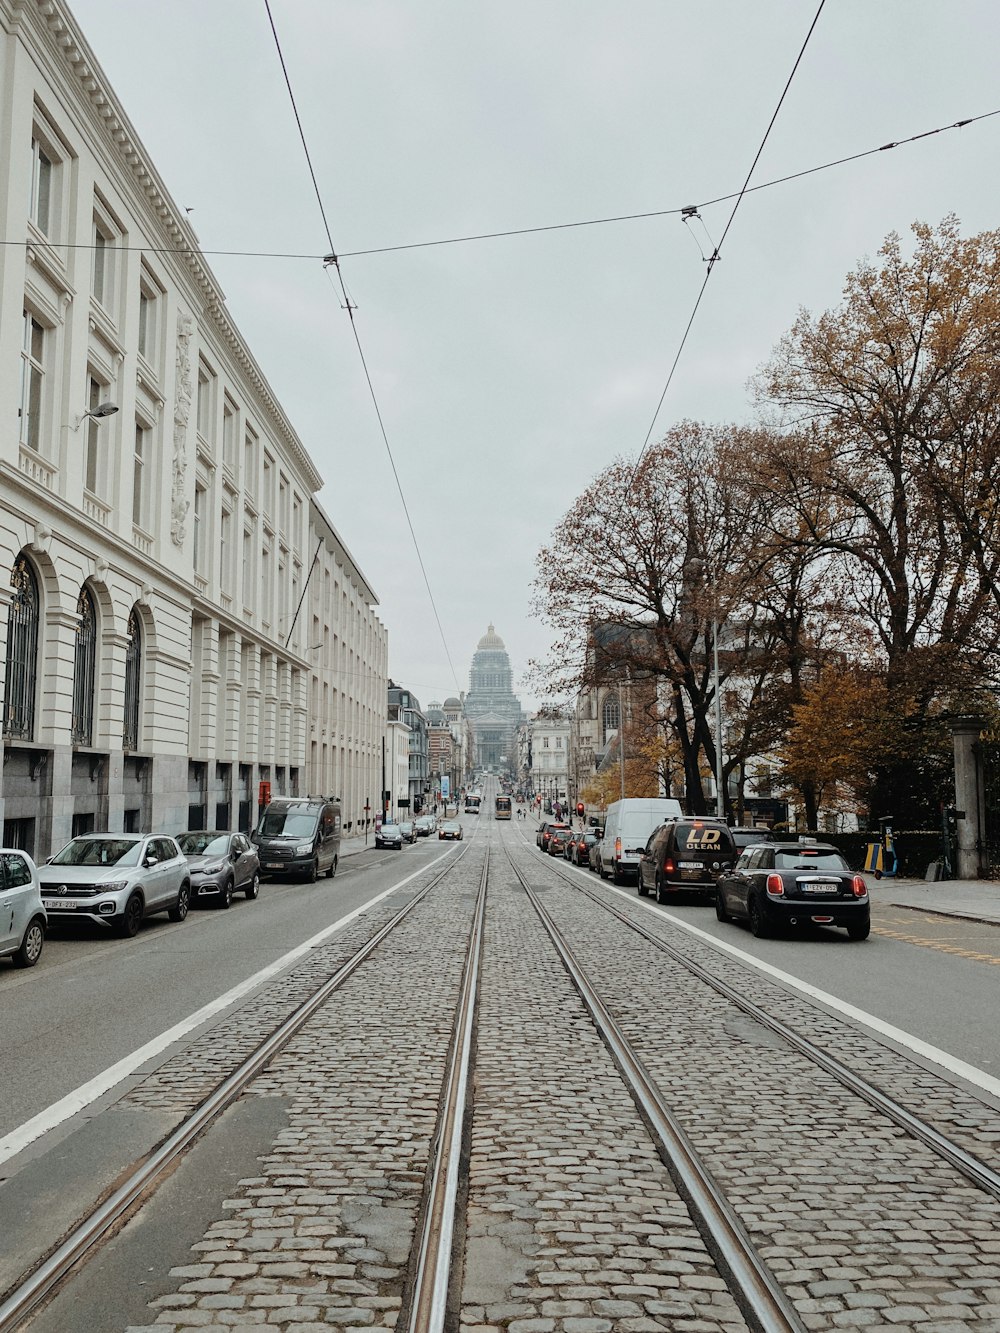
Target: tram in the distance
[
  {"x": 501, "y": 807},
  {"x": 472, "y": 803}
]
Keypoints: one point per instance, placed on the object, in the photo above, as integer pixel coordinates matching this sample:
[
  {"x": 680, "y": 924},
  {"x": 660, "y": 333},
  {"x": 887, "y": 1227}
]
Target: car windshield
[
  {"x": 99, "y": 852},
  {"x": 204, "y": 844},
  {"x": 287, "y": 824},
  {"x": 809, "y": 858}
]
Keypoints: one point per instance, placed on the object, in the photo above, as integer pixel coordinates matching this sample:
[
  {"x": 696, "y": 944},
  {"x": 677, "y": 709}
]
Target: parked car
[
  {"x": 299, "y": 836},
  {"x": 794, "y": 884},
  {"x": 594, "y": 853},
  {"x": 450, "y": 829},
  {"x": 559, "y": 840},
  {"x": 627, "y": 826},
  {"x": 221, "y": 864},
  {"x": 578, "y": 850},
  {"x": 408, "y": 830},
  {"x": 544, "y": 831},
  {"x": 750, "y": 837},
  {"x": 22, "y": 916},
  {"x": 389, "y": 835},
  {"x": 686, "y": 856},
  {"x": 426, "y": 825},
  {"x": 116, "y": 879}
]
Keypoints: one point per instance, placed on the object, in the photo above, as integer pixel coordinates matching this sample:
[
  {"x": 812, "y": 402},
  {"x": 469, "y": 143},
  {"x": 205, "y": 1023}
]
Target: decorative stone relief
[{"x": 179, "y": 504}]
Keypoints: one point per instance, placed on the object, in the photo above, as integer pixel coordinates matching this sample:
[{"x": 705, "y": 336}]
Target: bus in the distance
[
  {"x": 472, "y": 802},
  {"x": 501, "y": 808}
]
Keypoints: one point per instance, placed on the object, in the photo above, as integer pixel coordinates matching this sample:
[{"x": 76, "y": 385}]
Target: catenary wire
[
  {"x": 331, "y": 260},
  {"x": 526, "y": 231},
  {"x": 717, "y": 252}
]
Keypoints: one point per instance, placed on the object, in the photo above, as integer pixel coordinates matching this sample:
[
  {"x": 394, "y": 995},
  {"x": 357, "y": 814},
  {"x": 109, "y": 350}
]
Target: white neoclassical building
[{"x": 181, "y": 621}]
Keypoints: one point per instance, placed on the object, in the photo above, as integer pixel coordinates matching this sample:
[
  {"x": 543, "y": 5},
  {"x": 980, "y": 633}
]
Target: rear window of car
[
  {"x": 696, "y": 837},
  {"x": 809, "y": 858}
]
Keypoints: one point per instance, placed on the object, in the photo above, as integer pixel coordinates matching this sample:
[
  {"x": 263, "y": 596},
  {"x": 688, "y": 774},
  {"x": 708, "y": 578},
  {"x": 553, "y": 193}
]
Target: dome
[
  {"x": 452, "y": 703},
  {"x": 491, "y": 640}
]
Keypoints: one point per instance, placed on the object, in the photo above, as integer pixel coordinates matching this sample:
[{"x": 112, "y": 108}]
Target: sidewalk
[{"x": 973, "y": 899}]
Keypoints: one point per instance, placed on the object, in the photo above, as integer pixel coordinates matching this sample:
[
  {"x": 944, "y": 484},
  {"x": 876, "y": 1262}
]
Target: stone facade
[
  {"x": 492, "y": 707},
  {"x": 158, "y": 521}
]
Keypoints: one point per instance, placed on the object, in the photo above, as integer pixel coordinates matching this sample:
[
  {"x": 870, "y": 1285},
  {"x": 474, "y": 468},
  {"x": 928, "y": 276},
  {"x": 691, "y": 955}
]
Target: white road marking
[
  {"x": 88, "y": 1092},
  {"x": 970, "y": 1073}
]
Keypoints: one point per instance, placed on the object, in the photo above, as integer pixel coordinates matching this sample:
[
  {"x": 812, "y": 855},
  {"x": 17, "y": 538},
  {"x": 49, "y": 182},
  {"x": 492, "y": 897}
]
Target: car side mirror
[{"x": 151, "y": 861}]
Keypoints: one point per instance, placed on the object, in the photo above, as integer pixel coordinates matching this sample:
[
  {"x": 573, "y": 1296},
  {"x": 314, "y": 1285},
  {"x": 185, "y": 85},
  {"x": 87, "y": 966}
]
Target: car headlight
[
  {"x": 303, "y": 848},
  {"x": 212, "y": 869},
  {"x": 116, "y": 886}
]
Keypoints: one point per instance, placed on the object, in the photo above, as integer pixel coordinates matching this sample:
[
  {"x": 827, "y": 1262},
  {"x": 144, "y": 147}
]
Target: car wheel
[
  {"x": 861, "y": 931},
  {"x": 720, "y": 906},
  {"x": 226, "y": 896},
  {"x": 313, "y": 874},
  {"x": 31, "y": 946},
  {"x": 758, "y": 922},
  {"x": 131, "y": 917},
  {"x": 603, "y": 872},
  {"x": 180, "y": 908},
  {"x": 643, "y": 890},
  {"x": 253, "y": 888},
  {"x": 661, "y": 893},
  {"x": 333, "y": 869}
]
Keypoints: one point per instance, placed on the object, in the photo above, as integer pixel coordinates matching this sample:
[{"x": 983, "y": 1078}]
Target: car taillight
[
  {"x": 775, "y": 886},
  {"x": 859, "y": 887},
  {"x": 618, "y": 849},
  {"x": 669, "y": 867}
]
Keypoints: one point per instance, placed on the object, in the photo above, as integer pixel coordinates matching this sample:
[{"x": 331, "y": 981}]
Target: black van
[
  {"x": 685, "y": 856},
  {"x": 299, "y": 836}
]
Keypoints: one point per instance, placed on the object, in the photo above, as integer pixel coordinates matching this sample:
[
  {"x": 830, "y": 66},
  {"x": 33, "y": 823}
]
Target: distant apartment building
[
  {"x": 404, "y": 705},
  {"x": 182, "y": 623}
]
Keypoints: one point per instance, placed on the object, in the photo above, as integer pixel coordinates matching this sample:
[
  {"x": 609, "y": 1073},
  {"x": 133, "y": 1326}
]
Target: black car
[
  {"x": 545, "y": 832},
  {"x": 750, "y": 837},
  {"x": 578, "y": 849},
  {"x": 686, "y": 856},
  {"x": 794, "y": 884}
]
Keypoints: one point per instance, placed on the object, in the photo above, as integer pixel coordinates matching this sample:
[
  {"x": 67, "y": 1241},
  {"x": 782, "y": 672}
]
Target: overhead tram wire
[
  {"x": 329, "y": 260},
  {"x": 527, "y": 231},
  {"x": 717, "y": 252}
]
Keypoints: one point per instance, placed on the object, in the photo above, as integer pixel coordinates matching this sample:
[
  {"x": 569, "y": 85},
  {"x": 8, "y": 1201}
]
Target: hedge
[{"x": 914, "y": 851}]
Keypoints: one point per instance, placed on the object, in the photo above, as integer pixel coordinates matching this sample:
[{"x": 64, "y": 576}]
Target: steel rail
[
  {"x": 970, "y": 1166},
  {"x": 762, "y": 1301},
  {"x": 22, "y": 1299},
  {"x": 428, "y": 1301}
]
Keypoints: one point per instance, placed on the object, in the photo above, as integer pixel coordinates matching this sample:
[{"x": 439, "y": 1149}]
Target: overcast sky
[{"x": 510, "y": 372}]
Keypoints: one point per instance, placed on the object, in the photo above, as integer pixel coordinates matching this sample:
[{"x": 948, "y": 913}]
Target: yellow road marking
[{"x": 940, "y": 944}]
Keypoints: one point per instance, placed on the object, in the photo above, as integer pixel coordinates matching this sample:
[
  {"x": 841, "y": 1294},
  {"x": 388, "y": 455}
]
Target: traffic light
[{"x": 580, "y": 807}]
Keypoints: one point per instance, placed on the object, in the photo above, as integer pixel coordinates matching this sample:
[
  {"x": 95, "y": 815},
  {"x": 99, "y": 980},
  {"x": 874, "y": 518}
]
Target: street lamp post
[{"x": 720, "y": 800}]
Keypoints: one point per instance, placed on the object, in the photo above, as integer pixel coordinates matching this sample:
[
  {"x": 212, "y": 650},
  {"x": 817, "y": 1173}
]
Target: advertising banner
[{"x": 445, "y": 786}]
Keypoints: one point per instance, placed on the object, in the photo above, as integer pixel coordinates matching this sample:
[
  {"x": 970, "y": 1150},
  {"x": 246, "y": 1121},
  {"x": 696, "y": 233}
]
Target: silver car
[
  {"x": 116, "y": 879},
  {"x": 22, "y": 916},
  {"x": 221, "y": 864}
]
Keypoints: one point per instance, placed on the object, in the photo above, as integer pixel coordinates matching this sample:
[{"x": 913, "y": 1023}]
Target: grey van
[{"x": 299, "y": 837}]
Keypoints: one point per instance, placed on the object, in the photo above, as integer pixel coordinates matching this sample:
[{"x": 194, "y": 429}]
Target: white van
[{"x": 627, "y": 827}]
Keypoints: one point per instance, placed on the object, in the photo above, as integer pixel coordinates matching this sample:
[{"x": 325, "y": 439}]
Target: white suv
[
  {"x": 22, "y": 916},
  {"x": 116, "y": 879}
]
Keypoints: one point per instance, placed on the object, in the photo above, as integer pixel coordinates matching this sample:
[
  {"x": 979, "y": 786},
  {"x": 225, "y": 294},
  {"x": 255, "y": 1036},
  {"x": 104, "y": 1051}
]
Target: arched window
[
  {"x": 133, "y": 683},
  {"x": 22, "y": 653},
  {"x": 84, "y": 670},
  {"x": 611, "y": 715}
]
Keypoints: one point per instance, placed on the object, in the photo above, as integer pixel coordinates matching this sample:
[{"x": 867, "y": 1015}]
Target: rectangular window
[
  {"x": 40, "y": 210},
  {"x": 250, "y": 462},
  {"x": 225, "y": 547},
  {"x": 93, "y": 473},
  {"x": 32, "y": 372},
  {"x": 545, "y": 742},
  {"x": 247, "y": 566},
  {"x": 206, "y": 402},
  {"x": 267, "y": 498},
  {"x": 139, "y": 460},
  {"x": 229, "y": 420},
  {"x": 103, "y": 285},
  {"x": 558, "y": 742},
  {"x": 199, "y": 526},
  {"x": 265, "y": 584}
]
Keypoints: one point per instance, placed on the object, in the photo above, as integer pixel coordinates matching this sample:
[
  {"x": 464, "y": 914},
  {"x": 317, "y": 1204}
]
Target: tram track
[
  {"x": 27, "y": 1295},
  {"x": 488, "y": 1124},
  {"x": 970, "y": 1166}
]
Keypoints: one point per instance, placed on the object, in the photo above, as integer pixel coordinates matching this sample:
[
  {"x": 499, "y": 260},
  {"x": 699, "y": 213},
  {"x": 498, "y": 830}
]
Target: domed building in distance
[{"x": 491, "y": 706}]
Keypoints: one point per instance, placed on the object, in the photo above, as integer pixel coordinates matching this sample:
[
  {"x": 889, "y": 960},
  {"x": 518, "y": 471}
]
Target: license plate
[
  {"x": 818, "y": 888},
  {"x": 272, "y": 865},
  {"x": 689, "y": 865},
  {"x": 61, "y": 904}
]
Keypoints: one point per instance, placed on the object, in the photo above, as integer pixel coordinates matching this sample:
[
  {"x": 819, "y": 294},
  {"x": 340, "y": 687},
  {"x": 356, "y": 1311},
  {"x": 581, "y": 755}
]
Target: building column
[{"x": 965, "y": 733}]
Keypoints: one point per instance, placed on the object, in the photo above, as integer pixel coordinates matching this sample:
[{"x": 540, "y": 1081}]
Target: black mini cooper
[{"x": 794, "y": 884}]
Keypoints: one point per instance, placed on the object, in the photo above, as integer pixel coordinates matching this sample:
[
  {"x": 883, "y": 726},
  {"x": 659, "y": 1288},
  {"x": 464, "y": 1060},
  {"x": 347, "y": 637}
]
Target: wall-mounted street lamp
[{"x": 99, "y": 412}]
